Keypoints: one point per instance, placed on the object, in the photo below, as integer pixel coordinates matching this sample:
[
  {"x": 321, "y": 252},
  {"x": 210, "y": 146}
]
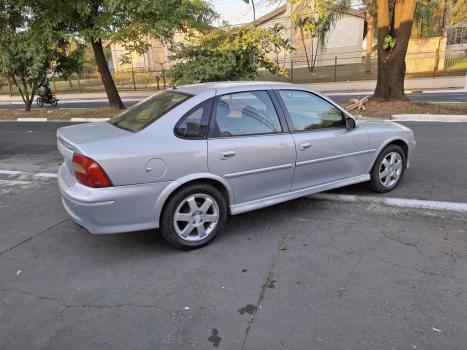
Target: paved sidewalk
[{"x": 423, "y": 84}]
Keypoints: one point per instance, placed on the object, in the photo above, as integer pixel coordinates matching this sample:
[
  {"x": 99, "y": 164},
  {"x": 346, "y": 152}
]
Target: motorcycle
[{"x": 46, "y": 98}]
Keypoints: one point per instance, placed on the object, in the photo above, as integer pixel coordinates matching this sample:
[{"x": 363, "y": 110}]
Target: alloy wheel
[
  {"x": 390, "y": 169},
  {"x": 196, "y": 217}
]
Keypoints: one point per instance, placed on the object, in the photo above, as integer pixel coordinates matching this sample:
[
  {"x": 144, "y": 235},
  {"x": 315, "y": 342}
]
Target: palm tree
[{"x": 318, "y": 24}]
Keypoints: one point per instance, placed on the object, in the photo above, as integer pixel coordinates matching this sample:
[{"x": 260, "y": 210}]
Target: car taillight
[{"x": 89, "y": 173}]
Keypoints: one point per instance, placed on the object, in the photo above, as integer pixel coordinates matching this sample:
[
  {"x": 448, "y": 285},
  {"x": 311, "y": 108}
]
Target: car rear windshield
[{"x": 147, "y": 111}]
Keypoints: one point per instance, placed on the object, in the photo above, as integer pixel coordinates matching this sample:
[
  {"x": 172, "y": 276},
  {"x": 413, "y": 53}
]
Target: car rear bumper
[{"x": 111, "y": 209}]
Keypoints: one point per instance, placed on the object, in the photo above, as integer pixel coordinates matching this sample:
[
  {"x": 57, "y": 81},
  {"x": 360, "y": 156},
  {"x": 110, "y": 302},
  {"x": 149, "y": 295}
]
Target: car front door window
[{"x": 310, "y": 112}]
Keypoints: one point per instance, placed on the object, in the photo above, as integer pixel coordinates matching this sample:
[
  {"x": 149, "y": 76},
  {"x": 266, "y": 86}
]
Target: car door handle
[
  {"x": 305, "y": 146},
  {"x": 227, "y": 154}
]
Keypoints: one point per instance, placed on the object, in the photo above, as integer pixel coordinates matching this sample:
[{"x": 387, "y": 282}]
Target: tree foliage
[
  {"x": 229, "y": 54},
  {"x": 128, "y": 22},
  {"x": 458, "y": 12},
  {"x": 31, "y": 47}
]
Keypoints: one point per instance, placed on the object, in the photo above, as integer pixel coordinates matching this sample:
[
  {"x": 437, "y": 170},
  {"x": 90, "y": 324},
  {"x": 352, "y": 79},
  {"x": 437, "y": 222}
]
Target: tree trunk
[
  {"x": 23, "y": 91},
  {"x": 369, "y": 40},
  {"x": 111, "y": 90},
  {"x": 302, "y": 36},
  {"x": 391, "y": 62},
  {"x": 444, "y": 34},
  {"x": 27, "y": 105},
  {"x": 391, "y": 71}
]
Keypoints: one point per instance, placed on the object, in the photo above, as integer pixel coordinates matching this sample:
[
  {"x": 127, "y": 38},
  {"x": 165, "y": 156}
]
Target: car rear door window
[
  {"x": 310, "y": 112},
  {"x": 245, "y": 113},
  {"x": 194, "y": 124}
]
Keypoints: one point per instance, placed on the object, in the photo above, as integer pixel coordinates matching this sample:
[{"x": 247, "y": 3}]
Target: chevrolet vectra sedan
[{"x": 182, "y": 160}]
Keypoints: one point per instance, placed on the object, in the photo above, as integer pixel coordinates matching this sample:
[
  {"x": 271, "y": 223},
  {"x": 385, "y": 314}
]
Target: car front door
[
  {"x": 327, "y": 151},
  {"x": 248, "y": 146}
]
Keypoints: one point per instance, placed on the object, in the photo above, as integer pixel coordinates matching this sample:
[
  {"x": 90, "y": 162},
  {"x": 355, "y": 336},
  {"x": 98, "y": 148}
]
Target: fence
[
  {"x": 354, "y": 66},
  {"x": 350, "y": 66},
  {"x": 126, "y": 80}
]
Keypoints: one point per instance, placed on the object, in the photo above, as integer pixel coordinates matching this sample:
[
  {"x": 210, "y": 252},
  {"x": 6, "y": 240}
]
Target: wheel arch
[
  {"x": 392, "y": 141},
  {"x": 205, "y": 178}
]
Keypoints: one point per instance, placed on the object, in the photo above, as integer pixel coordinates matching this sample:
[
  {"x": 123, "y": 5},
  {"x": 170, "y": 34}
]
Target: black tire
[
  {"x": 376, "y": 184},
  {"x": 39, "y": 102},
  {"x": 53, "y": 102},
  {"x": 167, "y": 225}
]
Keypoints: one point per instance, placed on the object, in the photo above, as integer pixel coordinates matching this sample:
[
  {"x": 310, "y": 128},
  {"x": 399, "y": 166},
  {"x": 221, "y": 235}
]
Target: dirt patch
[
  {"x": 386, "y": 109},
  {"x": 59, "y": 113}
]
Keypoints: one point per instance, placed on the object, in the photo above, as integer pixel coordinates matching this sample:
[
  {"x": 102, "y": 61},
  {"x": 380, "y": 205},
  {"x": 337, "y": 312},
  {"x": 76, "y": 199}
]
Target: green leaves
[
  {"x": 324, "y": 17},
  {"x": 130, "y": 22},
  {"x": 389, "y": 42},
  {"x": 32, "y": 46},
  {"x": 229, "y": 54}
]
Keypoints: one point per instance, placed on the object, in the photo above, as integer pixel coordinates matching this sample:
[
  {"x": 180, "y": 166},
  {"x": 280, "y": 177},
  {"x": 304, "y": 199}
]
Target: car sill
[{"x": 265, "y": 202}]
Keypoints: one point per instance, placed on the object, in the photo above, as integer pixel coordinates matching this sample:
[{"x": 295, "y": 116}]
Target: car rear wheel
[
  {"x": 194, "y": 216},
  {"x": 388, "y": 169}
]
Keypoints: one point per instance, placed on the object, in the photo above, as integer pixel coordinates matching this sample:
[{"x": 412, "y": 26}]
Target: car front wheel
[
  {"x": 194, "y": 216},
  {"x": 388, "y": 169}
]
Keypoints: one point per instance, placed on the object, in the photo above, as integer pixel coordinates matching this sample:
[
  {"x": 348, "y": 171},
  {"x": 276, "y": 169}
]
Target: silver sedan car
[{"x": 182, "y": 160}]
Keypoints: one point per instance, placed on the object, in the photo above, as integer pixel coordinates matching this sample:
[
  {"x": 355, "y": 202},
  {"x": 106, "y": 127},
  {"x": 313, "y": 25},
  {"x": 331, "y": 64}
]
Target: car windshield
[{"x": 147, "y": 111}]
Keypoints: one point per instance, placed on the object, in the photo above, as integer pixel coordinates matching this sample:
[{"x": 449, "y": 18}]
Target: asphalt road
[
  {"x": 306, "y": 274},
  {"x": 93, "y": 103},
  {"x": 434, "y": 174}
]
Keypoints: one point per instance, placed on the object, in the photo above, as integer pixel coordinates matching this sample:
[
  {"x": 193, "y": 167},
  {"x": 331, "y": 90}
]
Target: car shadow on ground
[{"x": 258, "y": 222}]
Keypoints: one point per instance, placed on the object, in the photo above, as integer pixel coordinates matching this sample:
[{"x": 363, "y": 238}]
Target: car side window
[
  {"x": 310, "y": 112},
  {"x": 245, "y": 113},
  {"x": 195, "y": 123}
]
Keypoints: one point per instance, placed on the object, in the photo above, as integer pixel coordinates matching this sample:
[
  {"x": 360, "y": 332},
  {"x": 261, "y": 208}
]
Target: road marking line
[
  {"x": 31, "y": 119},
  {"x": 53, "y": 175},
  {"x": 395, "y": 202},
  {"x": 13, "y": 182},
  {"x": 18, "y": 172},
  {"x": 11, "y": 172}
]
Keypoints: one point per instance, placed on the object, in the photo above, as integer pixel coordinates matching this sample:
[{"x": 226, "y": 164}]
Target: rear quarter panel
[{"x": 126, "y": 159}]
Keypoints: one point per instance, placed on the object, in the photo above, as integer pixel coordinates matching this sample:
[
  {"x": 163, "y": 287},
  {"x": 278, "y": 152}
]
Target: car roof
[{"x": 230, "y": 86}]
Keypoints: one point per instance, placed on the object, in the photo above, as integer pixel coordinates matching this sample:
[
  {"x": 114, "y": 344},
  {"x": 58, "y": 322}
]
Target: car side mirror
[{"x": 350, "y": 123}]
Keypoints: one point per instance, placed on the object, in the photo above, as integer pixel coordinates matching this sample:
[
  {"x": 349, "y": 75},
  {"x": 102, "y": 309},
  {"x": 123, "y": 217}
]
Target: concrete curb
[
  {"x": 86, "y": 120},
  {"x": 430, "y": 117}
]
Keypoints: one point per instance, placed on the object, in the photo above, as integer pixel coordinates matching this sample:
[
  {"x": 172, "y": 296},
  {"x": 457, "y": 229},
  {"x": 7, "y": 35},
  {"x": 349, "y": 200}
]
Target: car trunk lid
[{"x": 71, "y": 139}]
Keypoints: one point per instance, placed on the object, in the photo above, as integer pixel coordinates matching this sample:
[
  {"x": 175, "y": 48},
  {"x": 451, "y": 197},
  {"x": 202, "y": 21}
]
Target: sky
[{"x": 237, "y": 11}]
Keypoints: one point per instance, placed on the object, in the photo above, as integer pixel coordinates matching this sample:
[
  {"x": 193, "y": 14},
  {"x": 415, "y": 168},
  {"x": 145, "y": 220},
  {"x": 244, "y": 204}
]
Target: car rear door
[
  {"x": 249, "y": 145},
  {"x": 327, "y": 151}
]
